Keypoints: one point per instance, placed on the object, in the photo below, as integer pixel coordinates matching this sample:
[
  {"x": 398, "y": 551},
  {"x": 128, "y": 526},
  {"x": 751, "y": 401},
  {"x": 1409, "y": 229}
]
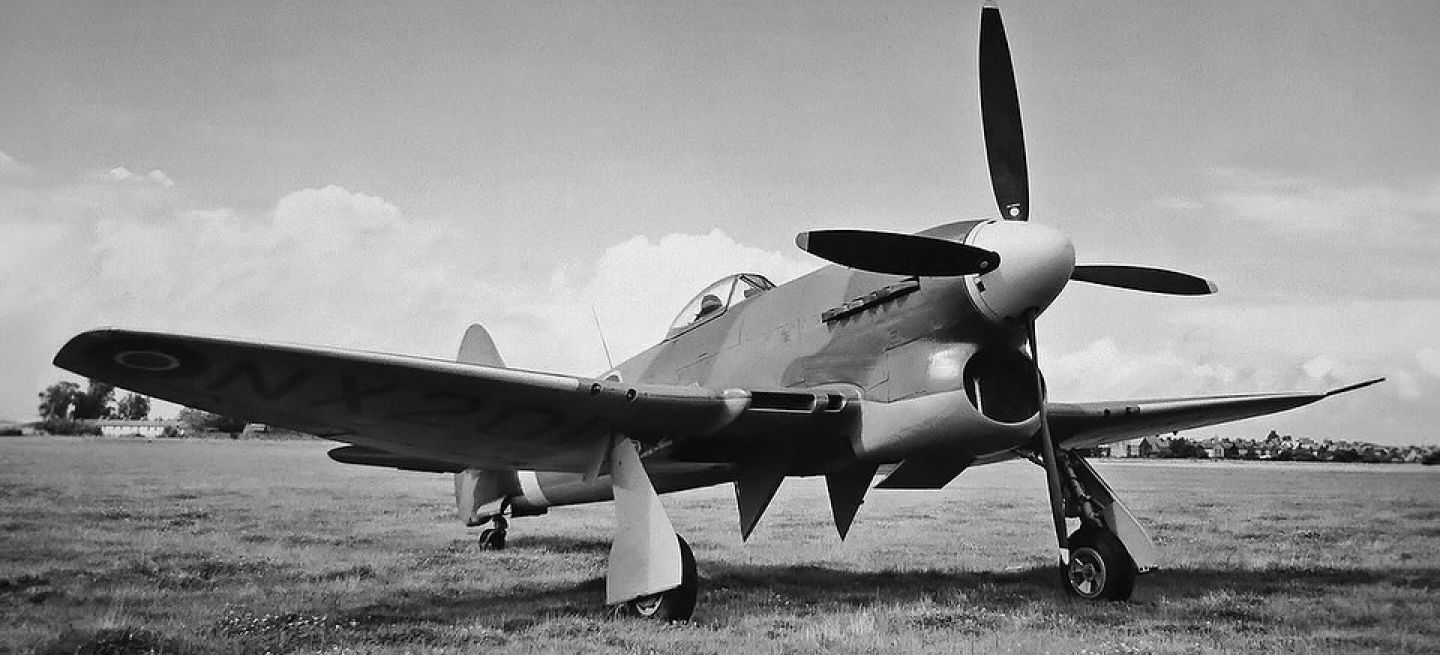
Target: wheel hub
[
  {"x": 646, "y": 606},
  {"x": 1086, "y": 572}
]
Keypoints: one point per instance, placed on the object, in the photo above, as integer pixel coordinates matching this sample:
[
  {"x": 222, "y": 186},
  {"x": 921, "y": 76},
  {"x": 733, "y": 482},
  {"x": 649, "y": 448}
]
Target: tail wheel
[
  {"x": 492, "y": 539},
  {"x": 676, "y": 604},
  {"x": 1100, "y": 568}
]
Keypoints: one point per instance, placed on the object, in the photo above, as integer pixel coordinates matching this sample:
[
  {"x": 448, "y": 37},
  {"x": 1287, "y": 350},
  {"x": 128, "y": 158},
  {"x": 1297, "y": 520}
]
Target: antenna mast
[{"x": 608, "y": 362}]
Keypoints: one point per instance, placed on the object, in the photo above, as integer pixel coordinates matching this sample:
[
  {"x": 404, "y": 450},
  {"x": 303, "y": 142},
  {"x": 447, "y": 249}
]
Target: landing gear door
[{"x": 1118, "y": 518}]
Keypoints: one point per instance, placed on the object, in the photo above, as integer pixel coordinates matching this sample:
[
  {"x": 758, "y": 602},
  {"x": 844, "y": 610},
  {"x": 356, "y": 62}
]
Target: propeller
[
  {"x": 897, "y": 254},
  {"x": 1142, "y": 278},
  {"x": 1000, "y": 112}
]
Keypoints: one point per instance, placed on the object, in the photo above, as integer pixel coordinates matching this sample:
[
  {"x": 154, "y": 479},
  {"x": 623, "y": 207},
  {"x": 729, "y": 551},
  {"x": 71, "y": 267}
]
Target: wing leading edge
[
  {"x": 475, "y": 415},
  {"x": 1082, "y": 425}
]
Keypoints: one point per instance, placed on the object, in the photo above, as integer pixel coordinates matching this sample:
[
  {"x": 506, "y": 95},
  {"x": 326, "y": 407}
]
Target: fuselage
[{"x": 939, "y": 365}]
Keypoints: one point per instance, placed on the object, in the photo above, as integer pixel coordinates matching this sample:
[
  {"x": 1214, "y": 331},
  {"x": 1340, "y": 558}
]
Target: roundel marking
[
  {"x": 150, "y": 357},
  {"x": 150, "y": 361}
]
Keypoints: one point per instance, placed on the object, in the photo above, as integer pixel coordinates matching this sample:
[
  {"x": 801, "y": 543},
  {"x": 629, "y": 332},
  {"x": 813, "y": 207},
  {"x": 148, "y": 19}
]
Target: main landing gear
[
  {"x": 1103, "y": 557},
  {"x": 676, "y": 604},
  {"x": 652, "y": 570}
]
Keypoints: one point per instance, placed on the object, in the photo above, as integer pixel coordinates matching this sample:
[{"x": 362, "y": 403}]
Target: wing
[
  {"x": 470, "y": 414},
  {"x": 1081, "y": 425}
]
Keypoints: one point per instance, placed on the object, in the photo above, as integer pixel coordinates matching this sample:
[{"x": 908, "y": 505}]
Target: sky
[{"x": 380, "y": 175}]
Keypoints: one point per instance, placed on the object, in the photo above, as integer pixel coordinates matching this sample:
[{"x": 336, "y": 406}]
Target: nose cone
[{"x": 1035, "y": 263}]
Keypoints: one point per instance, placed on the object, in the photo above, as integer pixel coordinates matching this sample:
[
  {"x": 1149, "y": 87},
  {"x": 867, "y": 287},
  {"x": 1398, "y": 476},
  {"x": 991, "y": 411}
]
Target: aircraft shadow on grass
[{"x": 742, "y": 589}]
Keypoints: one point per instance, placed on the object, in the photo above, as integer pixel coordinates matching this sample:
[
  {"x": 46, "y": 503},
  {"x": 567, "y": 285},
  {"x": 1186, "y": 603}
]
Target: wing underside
[
  {"x": 1082, "y": 425},
  {"x": 436, "y": 410}
]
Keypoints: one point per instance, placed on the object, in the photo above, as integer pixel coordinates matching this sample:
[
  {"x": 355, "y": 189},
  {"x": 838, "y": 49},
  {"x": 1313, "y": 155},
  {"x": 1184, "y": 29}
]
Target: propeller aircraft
[{"x": 915, "y": 352}]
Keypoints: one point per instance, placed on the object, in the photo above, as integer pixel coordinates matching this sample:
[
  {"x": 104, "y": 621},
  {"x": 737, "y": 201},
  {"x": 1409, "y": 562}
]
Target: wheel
[
  {"x": 676, "y": 604},
  {"x": 492, "y": 539},
  {"x": 1100, "y": 568}
]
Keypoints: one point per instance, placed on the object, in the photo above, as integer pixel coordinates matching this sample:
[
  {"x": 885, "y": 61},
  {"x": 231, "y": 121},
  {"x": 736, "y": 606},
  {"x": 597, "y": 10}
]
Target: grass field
[{"x": 118, "y": 546}]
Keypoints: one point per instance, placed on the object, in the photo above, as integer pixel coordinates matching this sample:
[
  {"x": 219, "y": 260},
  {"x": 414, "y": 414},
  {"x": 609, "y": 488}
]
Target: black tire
[
  {"x": 492, "y": 539},
  {"x": 1099, "y": 568},
  {"x": 676, "y": 604}
]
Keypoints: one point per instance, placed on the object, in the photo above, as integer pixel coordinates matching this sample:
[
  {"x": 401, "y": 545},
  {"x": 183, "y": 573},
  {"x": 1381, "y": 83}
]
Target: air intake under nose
[{"x": 1000, "y": 383}]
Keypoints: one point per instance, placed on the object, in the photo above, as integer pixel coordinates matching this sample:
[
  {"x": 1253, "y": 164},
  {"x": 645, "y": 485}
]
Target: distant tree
[
  {"x": 1347, "y": 455},
  {"x": 1180, "y": 447},
  {"x": 96, "y": 402},
  {"x": 199, "y": 420},
  {"x": 67, "y": 426},
  {"x": 1432, "y": 458},
  {"x": 58, "y": 400},
  {"x": 134, "y": 407}
]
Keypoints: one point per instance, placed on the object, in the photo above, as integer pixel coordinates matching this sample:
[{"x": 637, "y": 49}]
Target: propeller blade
[
  {"x": 1143, "y": 278},
  {"x": 1000, "y": 111},
  {"x": 897, "y": 254}
]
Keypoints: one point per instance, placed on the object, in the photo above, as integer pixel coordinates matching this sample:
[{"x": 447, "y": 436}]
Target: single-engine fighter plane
[{"x": 915, "y": 352}]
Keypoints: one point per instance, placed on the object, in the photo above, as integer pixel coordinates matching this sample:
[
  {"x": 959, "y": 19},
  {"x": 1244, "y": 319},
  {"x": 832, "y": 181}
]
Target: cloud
[
  {"x": 1319, "y": 368},
  {"x": 1301, "y": 206},
  {"x": 1376, "y": 329},
  {"x": 1176, "y": 203},
  {"x": 326, "y": 265},
  {"x": 8, "y": 165},
  {"x": 1429, "y": 361},
  {"x": 637, "y": 286},
  {"x": 1102, "y": 370},
  {"x": 159, "y": 177},
  {"x": 122, "y": 174}
]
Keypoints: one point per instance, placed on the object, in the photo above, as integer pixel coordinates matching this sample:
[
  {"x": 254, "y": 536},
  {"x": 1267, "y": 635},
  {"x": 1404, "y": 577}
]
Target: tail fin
[{"x": 478, "y": 348}]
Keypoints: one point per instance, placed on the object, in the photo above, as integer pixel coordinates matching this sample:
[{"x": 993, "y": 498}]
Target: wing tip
[
  {"x": 71, "y": 355},
  {"x": 1353, "y": 387}
]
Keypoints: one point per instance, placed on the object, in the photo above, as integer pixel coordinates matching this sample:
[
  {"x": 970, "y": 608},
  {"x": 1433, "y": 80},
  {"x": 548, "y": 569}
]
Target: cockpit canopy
[{"x": 717, "y": 298}]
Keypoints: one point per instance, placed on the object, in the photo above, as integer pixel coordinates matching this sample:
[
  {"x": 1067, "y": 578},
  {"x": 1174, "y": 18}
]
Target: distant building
[
  {"x": 1154, "y": 447},
  {"x": 115, "y": 427},
  {"x": 1122, "y": 449}
]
